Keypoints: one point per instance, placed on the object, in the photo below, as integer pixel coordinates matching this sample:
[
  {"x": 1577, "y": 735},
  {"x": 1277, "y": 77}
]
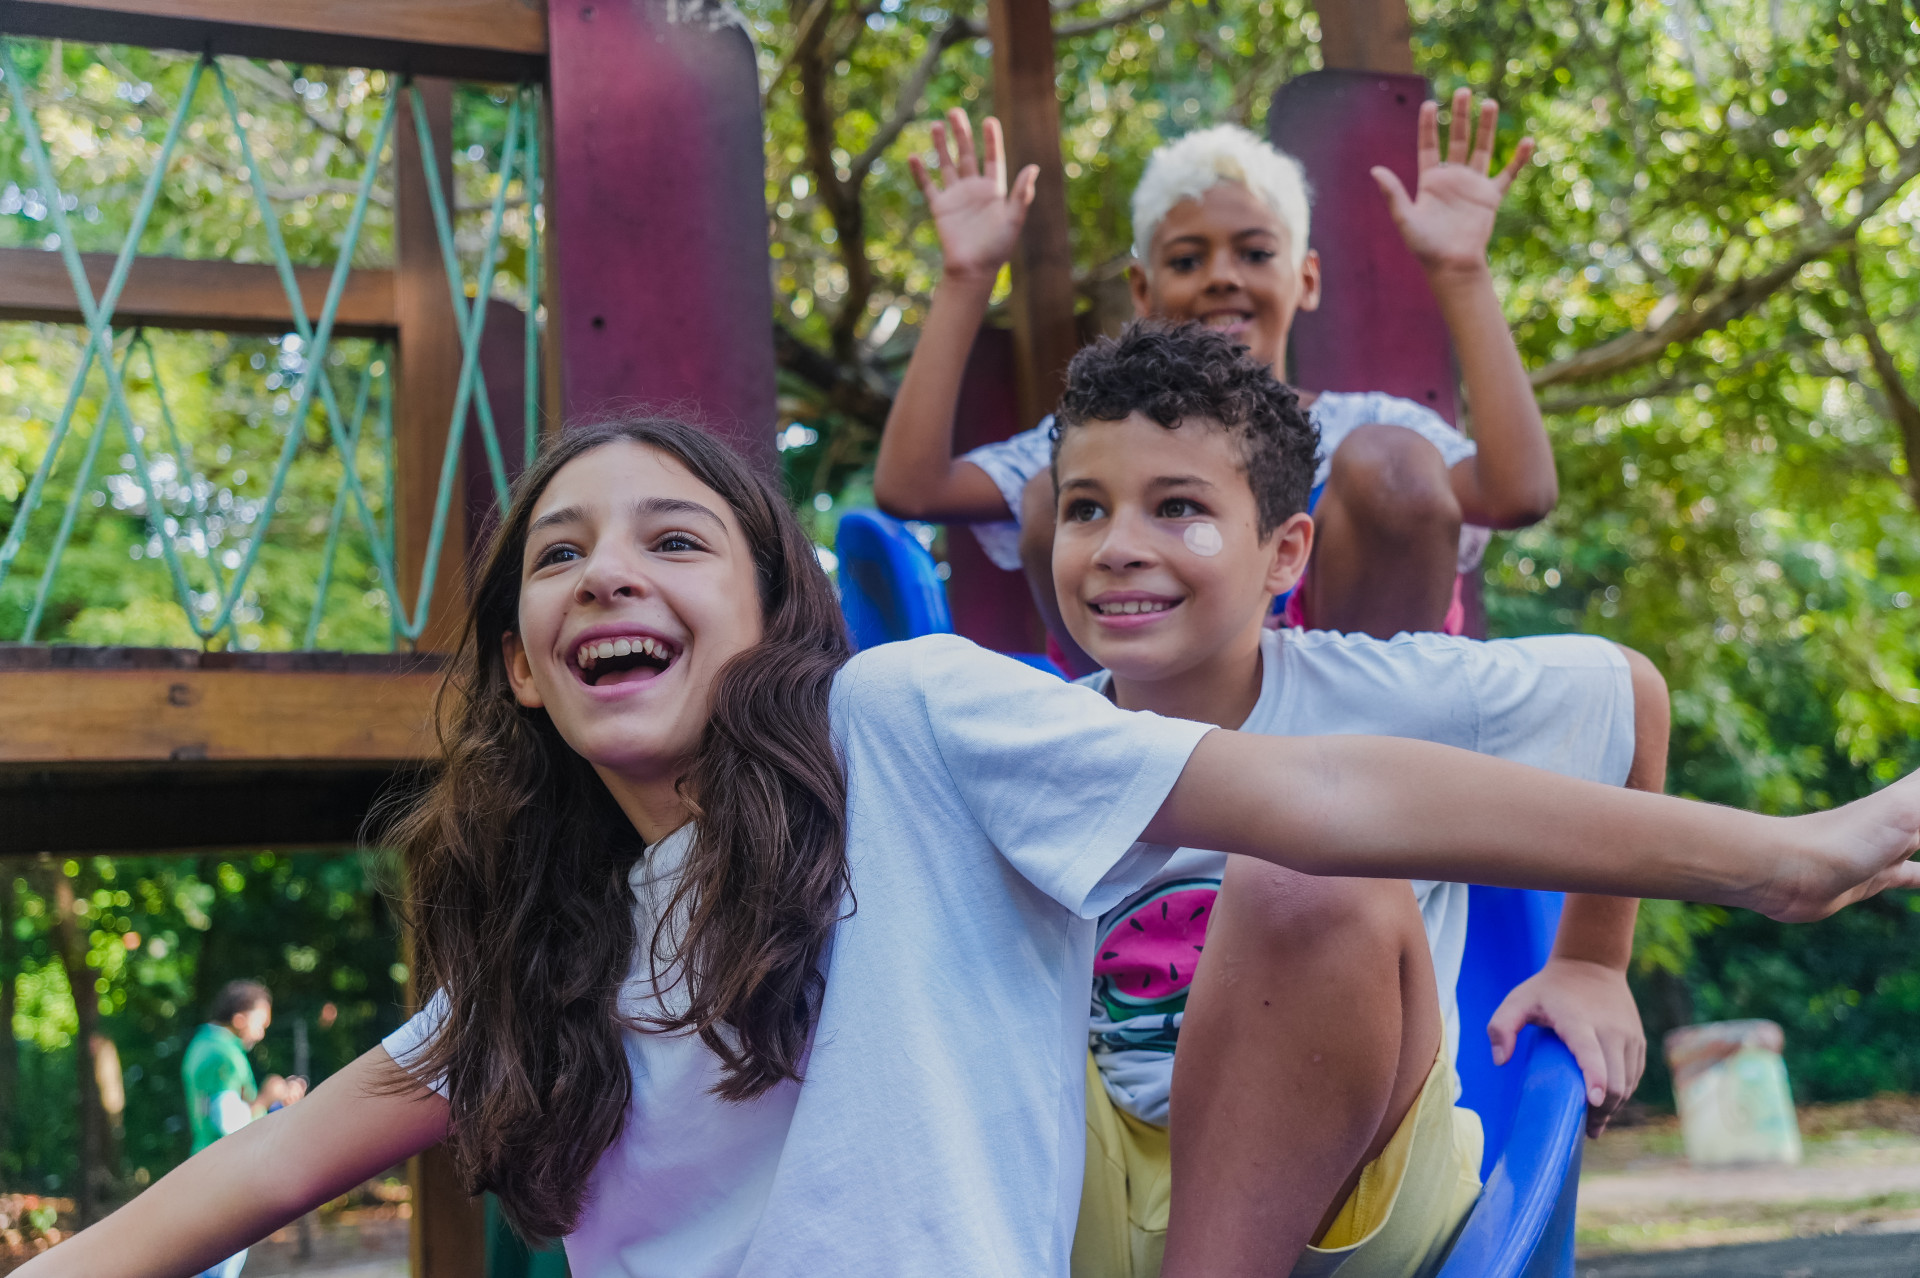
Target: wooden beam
[
  {"x": 66, "y": 716},
  {"x": 172, "y": 292},
  {"x": 1025, "y": 100},
  {"x": 128, "y": 750},
  {"x": 429, "y": 371},
  {"x": 1365, "y": 35},
  {"x": 467, "y": 39}
]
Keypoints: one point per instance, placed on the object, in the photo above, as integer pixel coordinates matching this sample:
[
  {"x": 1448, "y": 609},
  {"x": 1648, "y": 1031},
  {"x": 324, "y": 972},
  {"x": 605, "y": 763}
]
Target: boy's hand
[
  {"x": 1449, "y": 220},
  {"x": 1589, "y": 1006},
  {"x": 977, "y": 218}
]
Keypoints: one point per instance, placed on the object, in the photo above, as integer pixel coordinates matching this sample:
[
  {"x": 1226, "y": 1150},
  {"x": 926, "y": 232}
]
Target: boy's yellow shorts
[{"x": 1398, "y": 1222}]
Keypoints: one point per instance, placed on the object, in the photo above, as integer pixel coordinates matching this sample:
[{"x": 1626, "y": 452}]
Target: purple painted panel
[
  {"x": 658, "y": 209},
  {"x": 990, "y": 606},
  {"x": 1378, "y": 327}
]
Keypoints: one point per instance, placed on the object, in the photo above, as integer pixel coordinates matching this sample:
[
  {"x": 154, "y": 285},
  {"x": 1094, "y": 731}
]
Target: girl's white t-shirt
[
  {"x": 1563, "y": 703},
  {"x": 992, "y": 816}
]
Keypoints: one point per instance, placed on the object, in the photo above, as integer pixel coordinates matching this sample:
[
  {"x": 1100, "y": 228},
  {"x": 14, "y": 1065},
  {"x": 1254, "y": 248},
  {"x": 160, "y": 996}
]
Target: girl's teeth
[{"x": 595, "y": 652}]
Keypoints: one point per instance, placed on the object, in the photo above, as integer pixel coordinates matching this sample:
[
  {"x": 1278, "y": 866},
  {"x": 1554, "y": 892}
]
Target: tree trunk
[{"x": 70, "y": 942}]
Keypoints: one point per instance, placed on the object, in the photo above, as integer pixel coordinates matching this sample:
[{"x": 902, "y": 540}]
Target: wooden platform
[{"x": 162, "y": 750}]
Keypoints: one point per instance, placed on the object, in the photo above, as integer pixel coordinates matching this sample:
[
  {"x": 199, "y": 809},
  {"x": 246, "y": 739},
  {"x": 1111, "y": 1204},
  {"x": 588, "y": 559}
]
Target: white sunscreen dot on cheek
[{"x": 1203, "y": 539}]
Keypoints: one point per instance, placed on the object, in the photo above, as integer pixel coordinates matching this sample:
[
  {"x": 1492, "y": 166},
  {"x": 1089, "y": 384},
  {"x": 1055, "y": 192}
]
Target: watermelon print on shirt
[{"x": 1149, "y": 948}]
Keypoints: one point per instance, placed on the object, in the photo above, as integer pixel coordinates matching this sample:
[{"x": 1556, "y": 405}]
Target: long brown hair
[{"x": 517, "y": 896}]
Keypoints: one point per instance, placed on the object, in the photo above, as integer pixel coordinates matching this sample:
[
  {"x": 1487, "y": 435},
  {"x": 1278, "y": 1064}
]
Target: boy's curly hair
[{"x": 1175, "y": 373}]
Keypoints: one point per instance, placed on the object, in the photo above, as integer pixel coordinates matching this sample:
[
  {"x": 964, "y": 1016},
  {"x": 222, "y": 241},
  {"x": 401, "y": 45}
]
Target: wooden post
[
  {"x": 429, "y": 369},
  {"x": 1025, "y": 101},
  {"x": 1365, "y": 35},
  {"x": 449, "y": 1236},
  {"x": 449, "y": 1229}
]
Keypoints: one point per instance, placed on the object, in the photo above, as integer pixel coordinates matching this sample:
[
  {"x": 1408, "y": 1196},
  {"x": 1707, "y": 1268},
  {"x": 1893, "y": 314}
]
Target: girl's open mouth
[{"x": 626, "y": 659}]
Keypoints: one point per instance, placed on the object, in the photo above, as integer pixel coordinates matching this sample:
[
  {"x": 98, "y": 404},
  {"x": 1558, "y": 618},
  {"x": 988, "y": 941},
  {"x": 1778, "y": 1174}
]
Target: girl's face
[{"x": 636, "y": 587}]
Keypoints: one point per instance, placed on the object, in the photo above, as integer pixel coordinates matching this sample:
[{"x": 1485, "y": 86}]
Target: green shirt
[{"x": 215, "y": 1062}]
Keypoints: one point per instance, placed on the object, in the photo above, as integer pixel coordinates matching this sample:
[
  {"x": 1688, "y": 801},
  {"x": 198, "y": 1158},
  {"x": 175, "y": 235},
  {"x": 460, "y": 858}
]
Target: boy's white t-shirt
[
  {"x": 1012, "y": 462},
  {"x": 992, "y": 813},
  {"x": 1562, "y": 702}
]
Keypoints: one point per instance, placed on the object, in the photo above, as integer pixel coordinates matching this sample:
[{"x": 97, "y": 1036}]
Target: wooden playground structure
[{"x": 145, "y": 750}]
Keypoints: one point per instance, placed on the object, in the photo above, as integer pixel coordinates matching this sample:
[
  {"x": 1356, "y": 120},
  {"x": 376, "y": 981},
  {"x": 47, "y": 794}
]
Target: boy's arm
[
  {"x": 916, "y": 475},
  {"x": 1582, "y": 993},
  {"x": 244, "y": 1186},
  {"x": 1377, "y": 807},
  {"x": 1510, "y": 482}
]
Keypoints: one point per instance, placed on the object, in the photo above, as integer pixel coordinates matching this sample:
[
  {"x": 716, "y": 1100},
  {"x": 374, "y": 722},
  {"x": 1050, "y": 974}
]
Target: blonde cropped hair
[{"x": 1190, "y": 167}]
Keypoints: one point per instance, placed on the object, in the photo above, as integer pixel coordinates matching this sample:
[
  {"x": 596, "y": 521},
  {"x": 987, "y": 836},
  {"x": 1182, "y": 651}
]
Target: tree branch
[
  {"x": 1715, "y": 309},
  {"x": 1087, "y": 26},
  {"x": 849, "y": 388},
  {"x": 802, "y": 31},
  {"x": 907, "y": 104},
  {"x": 1900, "y": 404}
]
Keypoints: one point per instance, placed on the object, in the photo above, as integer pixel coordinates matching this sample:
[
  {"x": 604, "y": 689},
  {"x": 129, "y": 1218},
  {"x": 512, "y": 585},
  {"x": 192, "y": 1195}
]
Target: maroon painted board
[
  {"x": 502, "y": 345},
  {"x": 1378, "y": 327},
  {"x": 658, "y": 206},
  {"x": 990, "y": 606}
]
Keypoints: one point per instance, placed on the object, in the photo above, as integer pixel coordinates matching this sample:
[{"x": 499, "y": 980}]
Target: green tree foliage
[{"x": 164, "y": 934}]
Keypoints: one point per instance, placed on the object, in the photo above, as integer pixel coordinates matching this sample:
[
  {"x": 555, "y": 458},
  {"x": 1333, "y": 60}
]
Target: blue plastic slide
[
  {"x": 888, "y": 589},
  {"x": 1533, "y": 1109}
]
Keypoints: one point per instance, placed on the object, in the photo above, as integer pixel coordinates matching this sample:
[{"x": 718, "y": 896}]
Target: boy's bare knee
[
  {"x": 1293, "y": 916},
  {"x": 1648, "y": 682},
  {"x": 1652, "y": 721},
  {"x": 1395, "y": 482}
]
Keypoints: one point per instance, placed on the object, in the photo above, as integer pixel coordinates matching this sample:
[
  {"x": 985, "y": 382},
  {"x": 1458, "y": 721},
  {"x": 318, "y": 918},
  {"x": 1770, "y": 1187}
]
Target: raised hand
[
  {"x": 1449, "y": 219},
  {"x": 978, "y": 218}
]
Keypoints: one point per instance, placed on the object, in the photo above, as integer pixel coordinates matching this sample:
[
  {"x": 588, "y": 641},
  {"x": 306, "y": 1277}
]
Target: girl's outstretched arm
[
  {"x": 244, "y": 1186},
  {"x": 1386, "y": 808}
]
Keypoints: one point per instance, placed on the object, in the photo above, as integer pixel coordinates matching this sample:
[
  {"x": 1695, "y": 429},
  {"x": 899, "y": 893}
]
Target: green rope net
[{"x": 213, "y": 611}]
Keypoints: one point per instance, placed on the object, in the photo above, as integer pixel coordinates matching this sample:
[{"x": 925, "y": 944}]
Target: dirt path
[
  {"x": 1861, "y": 1176},
  {"x": 1858, "y": 1256}
]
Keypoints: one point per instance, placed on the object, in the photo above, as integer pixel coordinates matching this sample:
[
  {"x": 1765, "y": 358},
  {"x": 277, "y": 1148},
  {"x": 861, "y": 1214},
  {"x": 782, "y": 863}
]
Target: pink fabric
[{"x": 1296, "y": 611}]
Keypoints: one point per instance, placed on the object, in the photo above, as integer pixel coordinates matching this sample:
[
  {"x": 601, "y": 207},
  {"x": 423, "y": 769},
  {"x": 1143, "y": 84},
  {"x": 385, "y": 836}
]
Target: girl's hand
[
  {"x": 1449, "y": 220},
  {"x": 977, "y": 217},
  {"x": 1848, "y": 854},
  {"x": 1590, "y": 1007}
]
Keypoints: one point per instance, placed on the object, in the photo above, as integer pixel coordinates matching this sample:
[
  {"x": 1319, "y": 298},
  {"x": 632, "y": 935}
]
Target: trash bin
[{"x": 1731, "y": 1088}]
